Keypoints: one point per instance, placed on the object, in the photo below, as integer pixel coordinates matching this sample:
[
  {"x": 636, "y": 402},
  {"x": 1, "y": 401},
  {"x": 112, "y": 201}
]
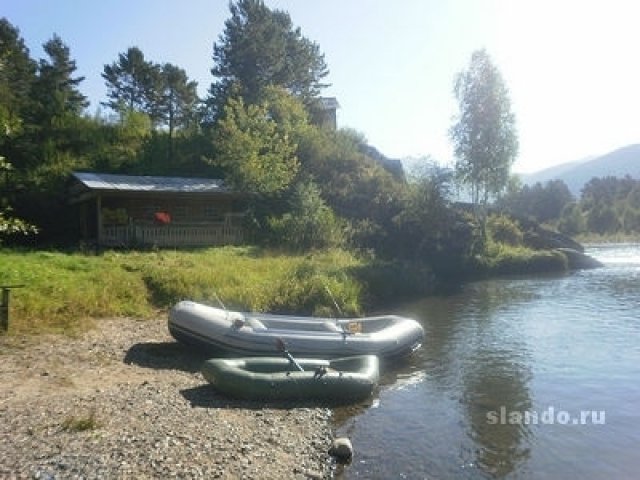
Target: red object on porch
[{"x": 163, "y": 218}]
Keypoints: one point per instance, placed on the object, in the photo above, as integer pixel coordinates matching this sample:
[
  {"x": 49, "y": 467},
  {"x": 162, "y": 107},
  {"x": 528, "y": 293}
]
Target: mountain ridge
[{"x": 617, "y": 163}]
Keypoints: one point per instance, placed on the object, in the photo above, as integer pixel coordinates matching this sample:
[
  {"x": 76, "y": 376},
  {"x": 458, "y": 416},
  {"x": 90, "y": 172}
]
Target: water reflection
[
  {"x": 496, "y": 373},
  {"x": 512, "y": 346},
  {"x": 620, "y": 284},
  {"x": 495, "y": 388}
]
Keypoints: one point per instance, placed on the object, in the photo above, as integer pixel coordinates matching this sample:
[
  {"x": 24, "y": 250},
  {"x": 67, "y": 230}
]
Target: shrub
[
  {"x": 310, "y": 223},
  {"x": 572, "y": 220},
  {"x": 502, "y": 229}
]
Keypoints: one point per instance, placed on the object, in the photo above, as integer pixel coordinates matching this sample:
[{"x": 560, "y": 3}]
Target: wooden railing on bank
[{"x": 173, "y": 235}]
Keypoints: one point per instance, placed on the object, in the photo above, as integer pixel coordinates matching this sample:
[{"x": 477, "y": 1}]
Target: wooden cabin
[{"x": 130, "y": 211}]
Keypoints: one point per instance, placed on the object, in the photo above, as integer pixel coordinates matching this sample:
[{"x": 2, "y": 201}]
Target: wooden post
[
  {"x": 99, "y": 219},
  {"x": 84, "y": 222},
  {"x": 4, "y": 306},
  {"x": 4, "y": 310}
]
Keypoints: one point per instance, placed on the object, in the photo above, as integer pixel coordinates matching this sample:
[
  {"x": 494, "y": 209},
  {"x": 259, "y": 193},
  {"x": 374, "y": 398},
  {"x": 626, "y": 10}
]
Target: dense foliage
[
  {"x": 611, "y": 205},
  {"x": 541, "y": 202},
  {"x": 607, "y": 206},
  {"x": 429, "y": 227},
  {"x": 255, "y": 150},
  {"x": 309, "y": 223}
]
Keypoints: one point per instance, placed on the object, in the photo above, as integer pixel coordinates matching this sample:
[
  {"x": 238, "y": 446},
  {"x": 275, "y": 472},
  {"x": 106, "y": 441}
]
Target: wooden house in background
[
  {"x": 129, "y": 211},
  {"x": 324, "y": 112}
]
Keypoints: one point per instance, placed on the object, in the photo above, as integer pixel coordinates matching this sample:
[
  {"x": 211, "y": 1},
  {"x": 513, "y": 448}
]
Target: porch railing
[{"x": 173, "y": 235}]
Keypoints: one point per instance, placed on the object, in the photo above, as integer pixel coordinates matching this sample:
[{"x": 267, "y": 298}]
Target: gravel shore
[{"x": 124, "y": 400}]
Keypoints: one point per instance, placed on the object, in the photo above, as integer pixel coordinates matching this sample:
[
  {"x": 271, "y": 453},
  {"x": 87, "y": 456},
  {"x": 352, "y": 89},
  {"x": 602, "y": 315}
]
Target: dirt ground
[{"x": 124, "y": 400}]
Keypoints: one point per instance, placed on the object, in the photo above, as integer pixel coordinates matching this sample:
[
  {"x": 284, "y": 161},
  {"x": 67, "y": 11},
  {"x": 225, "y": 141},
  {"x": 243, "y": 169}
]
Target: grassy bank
[
  {"x": 64, "y": 291},
  {"x": 503, "y": 259}
]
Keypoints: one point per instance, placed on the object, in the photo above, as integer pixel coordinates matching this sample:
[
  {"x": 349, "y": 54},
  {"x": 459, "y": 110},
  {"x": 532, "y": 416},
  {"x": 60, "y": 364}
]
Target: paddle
[{"x": 282, "y": 347}]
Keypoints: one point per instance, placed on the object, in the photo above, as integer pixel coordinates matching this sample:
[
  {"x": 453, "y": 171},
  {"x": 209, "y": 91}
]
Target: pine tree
[
  {"x": 17, "y": 75},
  {"x": 56, "y": 88},
  {"x": 260, "y": 47},
  {"x": 17, "y": 107},
  {"x": 132, "y": 83},
  {"x": 177, "y": 99}
]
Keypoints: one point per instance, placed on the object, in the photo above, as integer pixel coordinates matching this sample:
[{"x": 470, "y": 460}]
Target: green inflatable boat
[{"x": 273, "y": 378}]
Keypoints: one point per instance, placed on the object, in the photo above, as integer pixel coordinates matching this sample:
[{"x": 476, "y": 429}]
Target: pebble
[{"x": 149, "y": 412}]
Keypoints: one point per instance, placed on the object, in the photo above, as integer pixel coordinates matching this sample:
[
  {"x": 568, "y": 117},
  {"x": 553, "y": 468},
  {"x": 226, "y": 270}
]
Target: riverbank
[
  {"x": 64, "y": 291},
  {"x": 123, "y": 400},
  {"x": 607, "y": 239}
]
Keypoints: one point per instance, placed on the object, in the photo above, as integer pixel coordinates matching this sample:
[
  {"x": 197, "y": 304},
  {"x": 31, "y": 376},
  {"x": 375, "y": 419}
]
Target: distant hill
[{"x": 620, "y": 162}]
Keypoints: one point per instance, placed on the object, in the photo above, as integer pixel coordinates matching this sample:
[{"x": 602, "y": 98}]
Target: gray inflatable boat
[{"x": 229, "y": 333}]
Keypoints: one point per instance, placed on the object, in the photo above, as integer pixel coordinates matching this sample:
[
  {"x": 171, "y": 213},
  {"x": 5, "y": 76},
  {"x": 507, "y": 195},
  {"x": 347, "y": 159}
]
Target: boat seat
[{"x": 255, "y": 323}]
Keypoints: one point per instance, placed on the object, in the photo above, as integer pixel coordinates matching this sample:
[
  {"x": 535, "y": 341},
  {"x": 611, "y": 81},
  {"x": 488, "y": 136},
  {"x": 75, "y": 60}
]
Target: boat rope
[
  {"x": 333, "y": 299},
  {"x": 226, "y": 311},
  {"x": 344, "y": 331}
]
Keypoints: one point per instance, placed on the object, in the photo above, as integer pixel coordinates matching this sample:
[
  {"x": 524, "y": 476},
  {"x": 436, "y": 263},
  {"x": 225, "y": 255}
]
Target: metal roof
[{"x": 131, "y": 183}]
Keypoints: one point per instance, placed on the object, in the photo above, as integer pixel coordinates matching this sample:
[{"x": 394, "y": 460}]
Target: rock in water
[
  {"x": 578, "y": 260},
  {"x": 341, "y": 449}
]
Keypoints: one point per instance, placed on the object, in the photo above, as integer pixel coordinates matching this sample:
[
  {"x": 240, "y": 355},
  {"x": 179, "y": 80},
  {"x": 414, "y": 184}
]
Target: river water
[{"x": 518, "y": 378}]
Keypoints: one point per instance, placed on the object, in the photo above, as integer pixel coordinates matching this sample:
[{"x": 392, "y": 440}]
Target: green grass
[
  {"x": 81, "y": 424},
  {"x": 503, "y": 259},
  {"x": 62, "y": 291},
  {"x": 65, "y": 291}
]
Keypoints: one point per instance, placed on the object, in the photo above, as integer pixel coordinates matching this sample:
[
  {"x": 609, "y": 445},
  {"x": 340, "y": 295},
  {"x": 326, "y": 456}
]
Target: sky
[{"x": 571, "y": 66}]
